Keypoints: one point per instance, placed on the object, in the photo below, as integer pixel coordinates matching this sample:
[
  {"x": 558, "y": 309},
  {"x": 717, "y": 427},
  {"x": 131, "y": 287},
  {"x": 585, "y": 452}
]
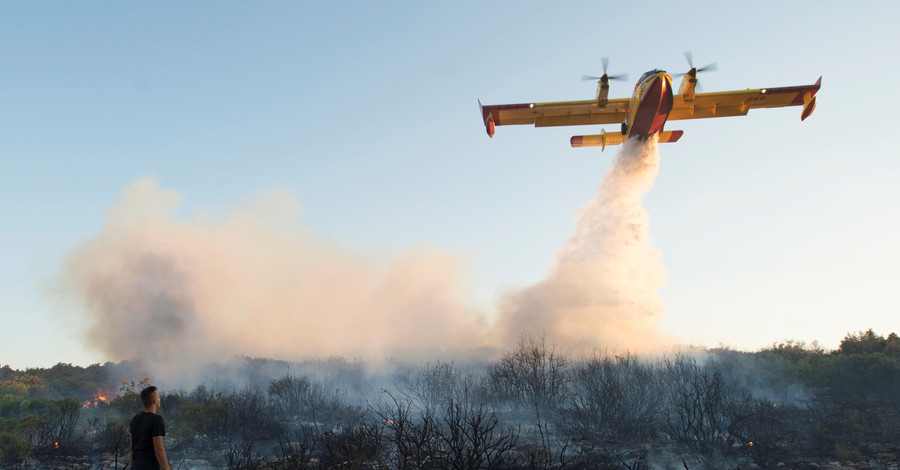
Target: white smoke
[
  {"x": 159, "y": 287},
  {"x": 175, "y": 290},
  {"x": 602, "y": 290}
]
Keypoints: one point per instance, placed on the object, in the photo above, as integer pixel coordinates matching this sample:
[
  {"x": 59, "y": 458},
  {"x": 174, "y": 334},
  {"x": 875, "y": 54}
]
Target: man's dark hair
[{"x": 147, "y": 396}]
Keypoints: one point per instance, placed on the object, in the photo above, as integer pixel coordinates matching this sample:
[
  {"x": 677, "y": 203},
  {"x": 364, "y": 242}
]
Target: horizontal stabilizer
[
  {"x": 670, "y": 136},
  {"x": 615, "y": 138}
]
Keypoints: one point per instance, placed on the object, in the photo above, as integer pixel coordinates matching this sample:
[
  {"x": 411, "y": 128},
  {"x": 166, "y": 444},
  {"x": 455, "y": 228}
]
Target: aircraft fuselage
[{"x": 651, "y": 104}]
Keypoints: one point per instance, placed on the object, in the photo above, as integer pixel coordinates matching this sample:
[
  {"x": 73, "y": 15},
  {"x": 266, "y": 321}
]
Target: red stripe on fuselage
[{"x": 653, "y": 109}]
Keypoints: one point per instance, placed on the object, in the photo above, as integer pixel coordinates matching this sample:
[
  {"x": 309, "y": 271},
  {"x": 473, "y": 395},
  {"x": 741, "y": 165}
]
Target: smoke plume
[
  {"x": 160, "y": 287},
  {"x": 174, "y": 290},
  {"x": 602, "y": 291}
]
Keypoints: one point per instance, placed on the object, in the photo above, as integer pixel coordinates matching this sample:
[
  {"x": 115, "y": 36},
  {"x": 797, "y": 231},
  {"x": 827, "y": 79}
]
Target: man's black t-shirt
[{"x": 144, "y": 427}]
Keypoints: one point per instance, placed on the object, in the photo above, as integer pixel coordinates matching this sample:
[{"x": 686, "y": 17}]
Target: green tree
[
  {"x": 13, "y": 449},
  {"x": 866, "y": 342},
  {"x": 209, "y": 418}
]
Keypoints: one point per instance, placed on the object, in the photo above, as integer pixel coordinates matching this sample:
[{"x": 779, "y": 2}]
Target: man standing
[{"x": 145, "y": 450}]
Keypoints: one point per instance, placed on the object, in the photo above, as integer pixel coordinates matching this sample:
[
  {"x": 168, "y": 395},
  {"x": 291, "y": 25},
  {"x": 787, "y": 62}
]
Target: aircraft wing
[
  {"x": 738, "y": 103},
  {"x": 560, "y": 113}
]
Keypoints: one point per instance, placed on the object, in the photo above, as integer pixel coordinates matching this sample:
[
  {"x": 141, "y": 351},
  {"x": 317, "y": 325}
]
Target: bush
[
  {"x": 532, "y": 375},
  {"x": 13, "y": 449}
]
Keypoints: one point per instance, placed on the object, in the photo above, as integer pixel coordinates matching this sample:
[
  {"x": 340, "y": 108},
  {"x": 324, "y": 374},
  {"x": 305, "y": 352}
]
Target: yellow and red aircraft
[{"x": 651, "y": 105}]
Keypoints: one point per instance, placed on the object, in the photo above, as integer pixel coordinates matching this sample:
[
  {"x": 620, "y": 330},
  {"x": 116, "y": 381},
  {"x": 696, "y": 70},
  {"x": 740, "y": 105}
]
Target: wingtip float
[{"x": 652, "y": 104}]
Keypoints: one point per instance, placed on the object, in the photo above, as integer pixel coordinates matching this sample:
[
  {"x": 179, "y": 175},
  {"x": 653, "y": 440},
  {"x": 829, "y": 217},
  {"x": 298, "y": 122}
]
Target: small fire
[
  {"x": 388, "y": 421},
  {"x": 750, "y": 444},
  {"x": 100, "y": 397},
  {"x": 56, "y": 445}
]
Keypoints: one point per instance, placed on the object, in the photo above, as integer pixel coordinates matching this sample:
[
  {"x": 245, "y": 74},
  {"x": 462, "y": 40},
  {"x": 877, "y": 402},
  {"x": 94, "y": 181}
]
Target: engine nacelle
[
  {"x": 602, "y": 94},
  {"x": 688, "y": 87}
]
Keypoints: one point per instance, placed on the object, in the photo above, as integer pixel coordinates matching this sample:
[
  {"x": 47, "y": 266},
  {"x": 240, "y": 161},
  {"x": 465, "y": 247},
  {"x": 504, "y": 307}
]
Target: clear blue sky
[{"x": 366, "y": 112}]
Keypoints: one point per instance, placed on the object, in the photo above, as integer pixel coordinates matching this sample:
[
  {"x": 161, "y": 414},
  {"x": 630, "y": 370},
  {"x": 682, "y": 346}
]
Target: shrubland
[{"x": 533, "y": 406}]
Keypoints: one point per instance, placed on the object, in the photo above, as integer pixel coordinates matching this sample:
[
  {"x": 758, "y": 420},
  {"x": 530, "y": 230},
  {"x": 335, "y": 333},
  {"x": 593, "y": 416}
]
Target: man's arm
[
  {"x": 160, "y": 453},
  {"x": 130, "y": 451}
]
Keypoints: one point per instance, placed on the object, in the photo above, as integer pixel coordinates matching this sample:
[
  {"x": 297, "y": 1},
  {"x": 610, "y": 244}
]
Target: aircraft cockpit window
[{"x": 649, "y": 74}]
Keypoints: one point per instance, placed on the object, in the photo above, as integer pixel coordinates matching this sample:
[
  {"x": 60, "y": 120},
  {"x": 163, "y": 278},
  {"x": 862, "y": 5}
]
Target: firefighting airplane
[{"x": 651, "y": 105}]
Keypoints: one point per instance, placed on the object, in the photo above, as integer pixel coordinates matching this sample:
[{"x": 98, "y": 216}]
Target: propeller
[
  {"x": 695, "y": 70},
  {"x": 605, "y": 77}
]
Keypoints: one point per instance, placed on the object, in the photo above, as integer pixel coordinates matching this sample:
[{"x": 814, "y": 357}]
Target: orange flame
[
  {"x": 100, "y": 397},
  {"x": 56, "y": 445}
]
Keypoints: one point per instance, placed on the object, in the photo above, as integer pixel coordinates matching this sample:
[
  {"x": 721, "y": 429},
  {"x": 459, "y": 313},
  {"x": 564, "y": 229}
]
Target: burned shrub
[
  {"x": 352, "y": 449},
  {"x": 298, "y": 399},
  {"x": 533, "y": 374},
  {"x": 240, "y": 455},
  {"x": 295, "y": 449},
  {"x": 432, "y": 386},
  {"x": 410, "y": 434},
  {"x": 614, "y": 399},
  {"x": 697, "y": 402},
  {"x": 111, "y": 436},
  {"x": 471, "y": 436}
]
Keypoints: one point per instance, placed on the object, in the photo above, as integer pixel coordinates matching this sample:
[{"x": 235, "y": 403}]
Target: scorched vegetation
[{"x": 534, "y": 407}]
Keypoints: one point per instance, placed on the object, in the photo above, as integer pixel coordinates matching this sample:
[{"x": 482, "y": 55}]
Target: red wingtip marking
[
  {"x": 808, "y": 109},
  {"x": 816, "y": 86},
  {"x": 576, "y": 140}
]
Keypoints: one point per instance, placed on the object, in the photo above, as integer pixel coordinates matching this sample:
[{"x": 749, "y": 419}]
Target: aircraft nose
[{"x": 664, "y": 80}]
